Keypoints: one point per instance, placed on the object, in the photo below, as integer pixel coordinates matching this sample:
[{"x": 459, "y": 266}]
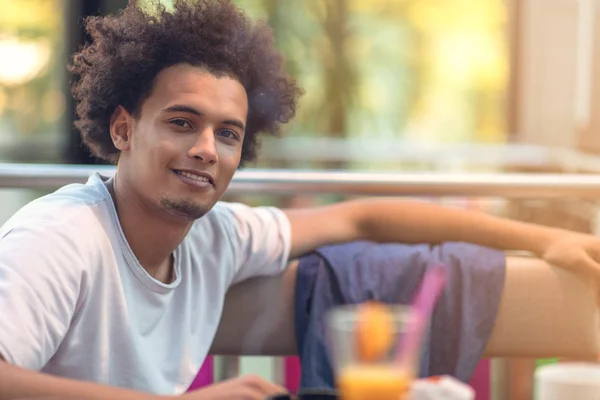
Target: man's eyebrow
[
  {"x": 235, "y": 122},
  {"x": 182, "y": 108},
  {"x": 191, "y": 110}
]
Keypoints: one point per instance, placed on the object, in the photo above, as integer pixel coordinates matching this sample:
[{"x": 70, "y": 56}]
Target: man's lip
[{"x": 199, "y": 173}]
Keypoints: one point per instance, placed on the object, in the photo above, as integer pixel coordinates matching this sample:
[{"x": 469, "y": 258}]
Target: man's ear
[{"x": 121, "y": 127}]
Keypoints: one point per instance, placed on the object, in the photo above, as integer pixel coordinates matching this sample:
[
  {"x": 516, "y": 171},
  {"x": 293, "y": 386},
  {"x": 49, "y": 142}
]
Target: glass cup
[
  {"x": 569, "y": 380},
  {"x": 380, "y": 378}
]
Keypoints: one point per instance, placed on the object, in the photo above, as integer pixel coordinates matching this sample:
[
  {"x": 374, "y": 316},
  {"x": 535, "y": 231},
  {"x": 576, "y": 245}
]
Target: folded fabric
[{"x": 462, "y": 321}]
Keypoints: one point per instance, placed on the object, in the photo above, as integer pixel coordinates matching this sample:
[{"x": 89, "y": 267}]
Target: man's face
[{"x": 186, "y": 144}]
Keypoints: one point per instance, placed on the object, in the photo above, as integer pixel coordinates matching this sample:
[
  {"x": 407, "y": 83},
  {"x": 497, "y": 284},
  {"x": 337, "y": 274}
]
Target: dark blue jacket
[{"x": 461, "y": 324}]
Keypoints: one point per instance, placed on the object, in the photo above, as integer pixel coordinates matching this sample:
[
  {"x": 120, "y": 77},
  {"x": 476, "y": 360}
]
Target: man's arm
[
  {"x": 393, "y": 220},
  {"x": 18, "y": 383}
]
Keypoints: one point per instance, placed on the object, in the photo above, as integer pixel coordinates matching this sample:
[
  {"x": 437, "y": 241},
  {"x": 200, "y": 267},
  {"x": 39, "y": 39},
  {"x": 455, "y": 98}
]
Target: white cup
[{"x": 568, "y": 381}]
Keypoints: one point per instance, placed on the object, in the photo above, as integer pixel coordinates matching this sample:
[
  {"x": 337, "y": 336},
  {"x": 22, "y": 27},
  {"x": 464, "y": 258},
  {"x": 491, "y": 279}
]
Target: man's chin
[{"x": 186, "y": 209}]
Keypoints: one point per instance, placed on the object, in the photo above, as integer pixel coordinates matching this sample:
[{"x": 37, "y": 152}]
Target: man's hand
[
  {"x": 243, "y": 388},
  {"x": 574, "y": 251}
]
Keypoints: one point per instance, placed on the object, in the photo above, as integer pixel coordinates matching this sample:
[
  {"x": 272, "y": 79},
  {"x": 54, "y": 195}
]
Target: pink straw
[{"x": 431, "y": 288}]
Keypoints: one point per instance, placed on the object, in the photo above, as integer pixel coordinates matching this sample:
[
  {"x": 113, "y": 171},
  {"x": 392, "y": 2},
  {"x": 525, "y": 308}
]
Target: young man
[{"x": 114, "y": 289}]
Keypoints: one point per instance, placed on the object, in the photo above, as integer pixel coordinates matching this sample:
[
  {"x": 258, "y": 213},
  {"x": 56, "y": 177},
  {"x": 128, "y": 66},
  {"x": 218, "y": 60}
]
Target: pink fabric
[
  {"x": 292, "y": 374},
  {"x": 480, "y": 381},
  {"x": 205, "y": 376}
]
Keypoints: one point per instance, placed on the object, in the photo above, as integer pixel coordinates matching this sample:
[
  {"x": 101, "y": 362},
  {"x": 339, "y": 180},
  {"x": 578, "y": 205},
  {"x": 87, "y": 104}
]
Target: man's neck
[{"x": 153, "y": 240}]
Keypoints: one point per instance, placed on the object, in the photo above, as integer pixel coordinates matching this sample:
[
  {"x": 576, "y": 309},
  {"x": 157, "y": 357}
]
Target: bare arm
[
  {"x": 389, "y": 220},
  {"x": 19, "y": 383},
  {"x": 393, "y": 220}
]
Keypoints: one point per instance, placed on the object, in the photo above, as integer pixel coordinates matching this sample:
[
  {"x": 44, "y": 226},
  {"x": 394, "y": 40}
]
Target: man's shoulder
[
  {"x": 71, "y": 210},
  {"x": 228, "y": 220},
  {"x": 255, "y": 241},
  {"x": 214, "y": 223}
]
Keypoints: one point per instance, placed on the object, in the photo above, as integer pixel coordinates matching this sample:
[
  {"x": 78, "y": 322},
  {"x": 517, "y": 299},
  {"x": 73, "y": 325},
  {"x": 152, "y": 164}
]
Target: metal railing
[{"x": 538, "y": 186}]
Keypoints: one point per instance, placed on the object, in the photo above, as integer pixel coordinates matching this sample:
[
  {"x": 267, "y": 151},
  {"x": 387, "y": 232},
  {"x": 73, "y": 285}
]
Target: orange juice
[
  {"x": 374, "y": 331},
  {"x": 373, "y": 382}
]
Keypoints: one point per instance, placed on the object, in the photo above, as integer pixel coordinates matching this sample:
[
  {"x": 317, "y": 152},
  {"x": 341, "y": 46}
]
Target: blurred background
[
  {"x": 424, "y": 71},
  {"x": 391, "y": 85}
]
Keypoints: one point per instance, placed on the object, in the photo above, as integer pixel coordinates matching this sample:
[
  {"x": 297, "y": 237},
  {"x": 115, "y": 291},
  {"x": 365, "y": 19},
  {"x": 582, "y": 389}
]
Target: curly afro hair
[{"x": 127, "y": 51}]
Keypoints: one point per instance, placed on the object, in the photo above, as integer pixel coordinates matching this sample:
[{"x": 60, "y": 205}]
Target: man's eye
[
  {"x": 181, "y": 123},
  {"x": 229, "y": 134}
]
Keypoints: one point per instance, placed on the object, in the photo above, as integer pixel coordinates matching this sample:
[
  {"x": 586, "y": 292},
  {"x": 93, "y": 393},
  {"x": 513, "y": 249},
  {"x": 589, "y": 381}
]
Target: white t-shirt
[{"x": 75, "y": 302}]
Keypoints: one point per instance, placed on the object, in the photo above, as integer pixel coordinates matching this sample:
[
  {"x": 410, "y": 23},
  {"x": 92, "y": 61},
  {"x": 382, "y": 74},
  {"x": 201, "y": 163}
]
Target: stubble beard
[{"x": 186, "y": 209}]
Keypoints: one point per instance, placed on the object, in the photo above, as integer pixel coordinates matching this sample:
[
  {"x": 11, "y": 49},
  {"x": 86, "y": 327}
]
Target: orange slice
[{"x": 374, "y": 331}]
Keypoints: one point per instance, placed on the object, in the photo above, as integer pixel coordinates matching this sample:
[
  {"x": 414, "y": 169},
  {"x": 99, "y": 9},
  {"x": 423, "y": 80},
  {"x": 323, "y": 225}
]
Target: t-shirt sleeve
[
  {"x": 260, "y": 237},
  {"x": 39, "y": 288}
]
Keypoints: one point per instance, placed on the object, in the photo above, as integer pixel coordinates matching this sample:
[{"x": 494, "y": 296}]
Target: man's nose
[{"x": 205, "y": 147}]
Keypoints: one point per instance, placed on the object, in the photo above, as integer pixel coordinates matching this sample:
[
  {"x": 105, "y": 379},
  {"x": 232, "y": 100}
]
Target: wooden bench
[{"x": 545, "y": 312}]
